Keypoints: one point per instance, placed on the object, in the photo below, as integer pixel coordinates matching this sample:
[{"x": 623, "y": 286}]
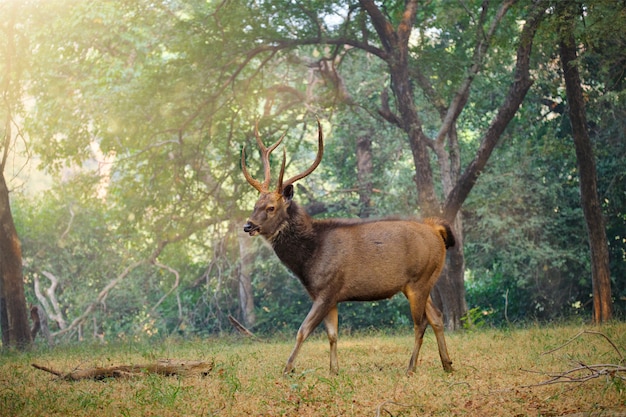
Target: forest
[{"x": 123, "y": 124}]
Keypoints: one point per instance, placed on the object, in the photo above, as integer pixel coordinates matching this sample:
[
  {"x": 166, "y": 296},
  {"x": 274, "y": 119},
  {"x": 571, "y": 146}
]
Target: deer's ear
[{"x": 288, "y": 192}]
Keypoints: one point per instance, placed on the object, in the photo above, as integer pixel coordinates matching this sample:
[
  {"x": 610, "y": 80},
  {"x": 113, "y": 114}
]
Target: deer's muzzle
[{"x": 251, "y": 228}]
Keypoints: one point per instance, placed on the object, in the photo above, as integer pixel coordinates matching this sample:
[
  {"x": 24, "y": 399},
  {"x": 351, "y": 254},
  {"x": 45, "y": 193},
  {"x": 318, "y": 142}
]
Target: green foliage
[
  {"x": 526, "y": 239},
  {"x": 525, "y": 232},
  {"x": 474, "y": 319},
  {"x": 138, "y": 111}
]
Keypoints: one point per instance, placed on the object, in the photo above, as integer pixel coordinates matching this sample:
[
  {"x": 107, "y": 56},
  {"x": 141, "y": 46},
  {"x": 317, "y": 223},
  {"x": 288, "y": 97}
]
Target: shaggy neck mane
[{"x": 296, "y": 242}]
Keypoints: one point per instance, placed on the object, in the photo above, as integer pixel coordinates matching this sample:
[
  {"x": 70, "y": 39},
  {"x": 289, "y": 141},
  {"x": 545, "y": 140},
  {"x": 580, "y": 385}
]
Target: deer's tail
[{"x": 443, "y": 228}]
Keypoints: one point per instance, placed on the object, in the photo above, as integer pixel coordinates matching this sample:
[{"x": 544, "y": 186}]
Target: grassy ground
[{"x": 493, "y": 369}]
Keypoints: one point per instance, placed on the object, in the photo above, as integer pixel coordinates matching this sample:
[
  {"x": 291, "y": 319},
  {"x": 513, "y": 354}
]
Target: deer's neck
[{"x": 295, "y": 244}]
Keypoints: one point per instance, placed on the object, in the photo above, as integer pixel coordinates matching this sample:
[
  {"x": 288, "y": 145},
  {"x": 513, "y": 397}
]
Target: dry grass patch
[{"x": 496, "y": 372}]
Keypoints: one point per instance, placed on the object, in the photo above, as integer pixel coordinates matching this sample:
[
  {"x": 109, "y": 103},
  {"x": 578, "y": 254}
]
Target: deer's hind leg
[
  {"x": 435, "y": 319},
  {"x": 417, "y": 302}
]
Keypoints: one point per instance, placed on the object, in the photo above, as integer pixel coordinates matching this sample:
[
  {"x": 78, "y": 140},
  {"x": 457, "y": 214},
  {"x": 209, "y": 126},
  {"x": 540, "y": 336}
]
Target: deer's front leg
[
  {"x": 331, "y": 321},
  {"x": 318, "y": 312}
]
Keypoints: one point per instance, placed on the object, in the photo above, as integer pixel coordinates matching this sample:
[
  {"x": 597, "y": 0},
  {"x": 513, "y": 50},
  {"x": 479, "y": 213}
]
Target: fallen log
[{"x": 166, "y": 367}]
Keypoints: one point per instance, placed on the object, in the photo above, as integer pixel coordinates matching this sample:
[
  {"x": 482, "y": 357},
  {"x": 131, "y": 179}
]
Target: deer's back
[{"x": 379, "y": 257}]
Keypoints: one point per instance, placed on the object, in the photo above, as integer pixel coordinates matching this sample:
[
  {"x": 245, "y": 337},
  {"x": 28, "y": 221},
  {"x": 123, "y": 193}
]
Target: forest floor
[{"x": 497, "y": 373}]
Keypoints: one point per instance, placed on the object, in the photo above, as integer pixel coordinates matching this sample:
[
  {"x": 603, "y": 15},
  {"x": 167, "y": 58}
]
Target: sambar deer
[{"x": 350, "y": 259}]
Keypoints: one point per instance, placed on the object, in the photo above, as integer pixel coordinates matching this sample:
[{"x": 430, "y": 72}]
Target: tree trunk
[
  {"x": 13, "y": 310},
  {"x": 600, "y": 275},
  {"x": 449, "y": 292},
  {"x": 246, "y": 299},
  {"x": 396, "y": 45},
  {"x": 364, "y": 174}
]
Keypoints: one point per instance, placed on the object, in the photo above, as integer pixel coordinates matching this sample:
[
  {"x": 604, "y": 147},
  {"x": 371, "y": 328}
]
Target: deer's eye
[{"x": 270, "y": 209}]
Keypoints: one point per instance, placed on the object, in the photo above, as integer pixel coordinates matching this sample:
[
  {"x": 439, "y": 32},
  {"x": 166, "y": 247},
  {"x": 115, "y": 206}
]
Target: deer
[{"x": 339, "y": 260}]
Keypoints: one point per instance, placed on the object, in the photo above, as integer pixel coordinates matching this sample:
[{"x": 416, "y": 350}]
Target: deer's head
[{"x": 270, "y": 210}]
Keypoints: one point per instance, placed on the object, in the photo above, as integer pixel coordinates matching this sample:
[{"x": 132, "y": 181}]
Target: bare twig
[
  {"x": 583, "y": 372},
  {"x": 69, "y": 224},
  {"x": 381, "y": 406},
  {"x": 621, "y": 356},
  {"x": 174, "y": 286},
  {"x": 569, "y": 376},
  {"x": 241, "y": 328}
]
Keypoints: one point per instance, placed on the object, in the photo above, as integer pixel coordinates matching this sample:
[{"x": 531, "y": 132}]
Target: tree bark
[
  {"x": 165, "y": 367},
  {"x": 449, "y": 292},
  {"x": 451, "y": 284},
  {"x": 40, "y": 324},
  {"x": 13, "y": 310},
  {"x": 364, "y": 174},
  {"x": 600, "y": 275}
]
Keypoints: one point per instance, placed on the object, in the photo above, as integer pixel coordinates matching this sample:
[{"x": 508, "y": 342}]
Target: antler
[
  {"x": 265, "y": 157},
  {"x": 318, "y": 159}
]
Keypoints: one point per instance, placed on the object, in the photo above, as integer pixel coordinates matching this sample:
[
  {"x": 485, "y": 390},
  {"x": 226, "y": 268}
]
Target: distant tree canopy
[{"x": 138, "y": 110}]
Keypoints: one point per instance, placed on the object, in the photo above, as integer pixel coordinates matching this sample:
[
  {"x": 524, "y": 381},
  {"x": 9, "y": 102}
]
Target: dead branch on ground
[
  {"x": 584, "y": 372},
  {"x": 165, "y": 367}
]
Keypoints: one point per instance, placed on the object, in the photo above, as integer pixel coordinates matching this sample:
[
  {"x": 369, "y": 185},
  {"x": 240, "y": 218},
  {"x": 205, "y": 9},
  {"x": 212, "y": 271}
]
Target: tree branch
[
  {"x": 480, "y": 50},
  {"x": 385, "y": 110},
  {"x": 383, "y": 27},
  {"x": 589, "y": 372},
  {"x": 69, "y": 224},
  {"x": 406, "y": 23},
  {"x": 166, "y": 367},
  {"x": 516, "y": 94},
  {"x": 55, "y": 312},
  {"x": 176, "y": 283},
  {"x": 101, "y": 296}
]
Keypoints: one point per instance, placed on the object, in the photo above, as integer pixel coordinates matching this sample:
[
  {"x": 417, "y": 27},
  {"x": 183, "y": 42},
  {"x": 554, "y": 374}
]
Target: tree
[
  {"x": 392, "y": 41},
  {"x": 13, "y": 312},
  {"x": 600, "y": 276}
]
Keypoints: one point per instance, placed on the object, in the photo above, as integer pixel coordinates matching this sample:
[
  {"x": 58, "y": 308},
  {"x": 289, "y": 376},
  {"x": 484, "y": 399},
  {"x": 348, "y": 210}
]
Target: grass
[{"x": 491, "y": 377}]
